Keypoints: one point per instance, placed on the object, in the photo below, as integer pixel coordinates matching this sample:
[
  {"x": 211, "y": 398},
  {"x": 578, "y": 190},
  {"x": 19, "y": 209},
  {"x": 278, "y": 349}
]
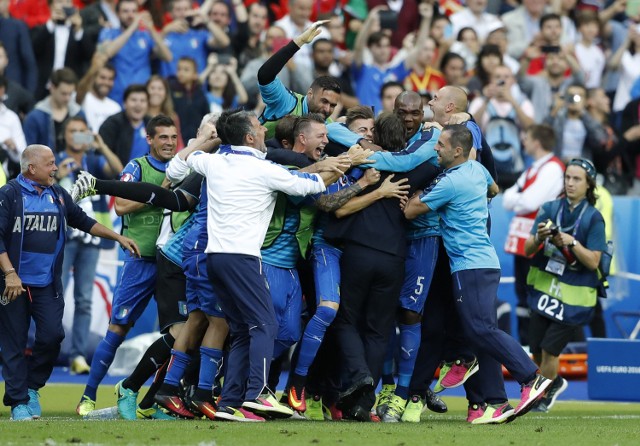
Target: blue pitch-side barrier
[{"x": 623, "y": 303}]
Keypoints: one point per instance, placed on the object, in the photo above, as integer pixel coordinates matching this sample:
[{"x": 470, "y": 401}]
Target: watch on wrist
[{"x": 573, "y": 244}]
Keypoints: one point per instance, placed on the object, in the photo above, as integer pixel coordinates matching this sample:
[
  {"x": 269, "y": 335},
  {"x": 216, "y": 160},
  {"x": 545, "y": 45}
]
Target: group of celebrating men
[{"x": 392, "y": 229}]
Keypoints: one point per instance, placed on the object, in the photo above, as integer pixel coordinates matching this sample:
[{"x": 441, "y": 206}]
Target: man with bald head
[{"x": 34, "y": 214}]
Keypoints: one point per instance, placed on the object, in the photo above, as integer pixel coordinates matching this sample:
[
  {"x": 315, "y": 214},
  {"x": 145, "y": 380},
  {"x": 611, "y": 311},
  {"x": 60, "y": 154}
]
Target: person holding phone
[
  {"x": 83, "y": 150},
  {"x": 61, "y": 42}
]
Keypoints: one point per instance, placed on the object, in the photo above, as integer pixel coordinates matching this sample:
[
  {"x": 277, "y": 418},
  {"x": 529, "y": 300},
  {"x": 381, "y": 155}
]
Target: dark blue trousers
[
  {"x": 244, "y": 298},
  {"x": 20, "y": 372},
  {"x": 475, "y": 294}
]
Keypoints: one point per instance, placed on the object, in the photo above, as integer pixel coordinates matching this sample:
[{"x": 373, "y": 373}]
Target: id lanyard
[{"x": 576, "y": 224}]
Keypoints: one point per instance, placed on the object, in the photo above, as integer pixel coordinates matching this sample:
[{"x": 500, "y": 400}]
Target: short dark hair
[
  {"x": 585, "y": 17},
  {"x": 3, "y": 81},
  {"x": 359, "y": 112},
  {"x": 109, "y": 66},
  {"x": 76, "y": 118},
  {"x": 544, "y": 134},
  {"x": 319, "y": 41},
  {"x": 123, "y": 1},
  {"x": 389, "y": 132},
  {"x": 190, "y": 60},
  {"x": 376, "y": 38},
  {"x": 390, "y": 84},
  {"x": 158, "y": 121},
  {"x": 284, "y": 129},
  {"x": 460, "y": 136},
  {"x": 303, "y": 123},
  {"x": 549, "y": 16},
  {"x": 234, "y": 125},
  {"x": 326, "y": 83},
  {"x": 448, "y": 57},
  {"x": 134, "y": 88},
  {"x": 64, "y": 76}
]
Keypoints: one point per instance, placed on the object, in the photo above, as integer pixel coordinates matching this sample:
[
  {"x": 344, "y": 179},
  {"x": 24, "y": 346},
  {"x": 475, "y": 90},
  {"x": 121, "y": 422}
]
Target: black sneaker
[
  {"x": 558, "y": 386},
  {"x": 434, "y": 403}
]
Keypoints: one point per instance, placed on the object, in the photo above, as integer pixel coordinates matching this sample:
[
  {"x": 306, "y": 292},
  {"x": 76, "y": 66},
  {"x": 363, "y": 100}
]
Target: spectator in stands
[
  {"x": 489, "y": 58},
  {"x": 408, "y": 17},
  {"x": 125, "y": 131},
  {"x": 627, "y": 59},
  {"x": 60, "y": 43},
  {"x": 12, "y": 141},
  {"x": 546, "y": 89},
  {"x": 523, "y": 25},
  {"x": 43, "y": 125},
  {"x": 93, "y": 92},
  {"x": 498, "y": 37},
  {"x": 388, "y": 94},
  {"x": 130, "y": 48},
  {"x": 82, "y": 250},
  {"x": 14, "y": 35},
  {"x": 189, "y": 98},
  {"x": 454, "y": 69},
  {"x": 295, "y": 23},
  {"x": 546, "y": 42},
  {"x": 474, "y": 15},
  {"x": 631, "y": 132},
  {"x": 190, "y": 34},
  {"x": 503, "y": 112},
  {"x": 252, "y": 23},
  {"x": 589, "y": 55},
  {"x": 612, "y": 160},
  {"x": 224, "y": 88},
  {"x": 578, "y": 134},
  {"x": 16, "y": 97},
  {"x": 467, "y": 46}
]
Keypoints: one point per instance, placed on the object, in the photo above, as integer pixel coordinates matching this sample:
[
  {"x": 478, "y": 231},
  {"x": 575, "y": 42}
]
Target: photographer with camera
[
  {"x": 83, "y": 150},
  {"x": 567, "y": 242}
]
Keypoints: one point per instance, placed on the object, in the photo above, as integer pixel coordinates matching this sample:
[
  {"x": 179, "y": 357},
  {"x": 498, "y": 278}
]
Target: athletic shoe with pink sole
[
  {"x": 459, "y": 373},
  {"x": 530, "y": 393}
]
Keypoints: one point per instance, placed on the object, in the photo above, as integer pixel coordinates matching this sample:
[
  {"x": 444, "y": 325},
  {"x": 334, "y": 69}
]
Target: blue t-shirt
[
  {"x": 193, "y": 44},
  {"x": 368, "y": 80},
  {"x": 460, "y": 198},
  {"x": 132, "y": 62}
]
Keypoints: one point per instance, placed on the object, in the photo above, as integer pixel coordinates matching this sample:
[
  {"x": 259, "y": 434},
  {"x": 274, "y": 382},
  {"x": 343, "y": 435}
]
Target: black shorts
[
  {"x": 549, "y": 335},
  {"x": 171, "y": 286}
]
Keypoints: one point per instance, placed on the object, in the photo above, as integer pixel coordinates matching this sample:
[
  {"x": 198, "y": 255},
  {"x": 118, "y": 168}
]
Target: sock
[
  {"x": 387, "y": 366},
  {"x": 144, "y": 193},
  {"x": 409, "y": 345},
  {"x": 158, "y": 379},
  {"x": 190, "y": 377},
  {"x": 210, "y": 361},
  {"x": 312, "y": 338},
  {"x": 177, "y": 364},
  {"x": 102, "y": 359},
  {"x": 157, "y": 354}
]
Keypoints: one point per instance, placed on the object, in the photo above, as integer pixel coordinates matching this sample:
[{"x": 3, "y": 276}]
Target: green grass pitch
[{"x": 569, "y": 423}]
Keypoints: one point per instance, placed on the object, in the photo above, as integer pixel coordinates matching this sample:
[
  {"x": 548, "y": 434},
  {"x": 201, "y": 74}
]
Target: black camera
[{"x": 552, "y": 227}]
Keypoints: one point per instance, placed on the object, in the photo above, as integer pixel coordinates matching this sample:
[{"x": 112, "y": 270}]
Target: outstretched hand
[
  {"x": 358, "y": 155},
  {"x": 398, "y": 189},
  {"x": 310, "y": 33}
]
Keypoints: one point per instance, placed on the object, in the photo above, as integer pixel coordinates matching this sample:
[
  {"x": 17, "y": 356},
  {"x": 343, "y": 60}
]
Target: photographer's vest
[
  {"x": 143, "y": 226},
  {"x": 521, "y": 225},
  {"x": 569, "y": 298}
]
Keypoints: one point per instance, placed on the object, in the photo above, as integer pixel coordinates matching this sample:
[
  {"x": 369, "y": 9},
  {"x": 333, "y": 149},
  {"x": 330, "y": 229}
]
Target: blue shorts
[
  {"x": 422, "y": 255},
  {"x": 286, "y": 294},
  {"x": 326, "y": 272},
  {"x": 200, "y": 294},
  {"x": 136, "y": 285}
]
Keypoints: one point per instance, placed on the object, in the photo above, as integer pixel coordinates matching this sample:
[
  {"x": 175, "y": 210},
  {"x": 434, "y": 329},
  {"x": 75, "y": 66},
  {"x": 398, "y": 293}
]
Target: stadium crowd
[{"x": 377, "y": 110}]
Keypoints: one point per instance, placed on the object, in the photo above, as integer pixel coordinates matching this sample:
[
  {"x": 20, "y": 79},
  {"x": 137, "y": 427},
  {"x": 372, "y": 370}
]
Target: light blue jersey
[{"x": 460, "y": 199}]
